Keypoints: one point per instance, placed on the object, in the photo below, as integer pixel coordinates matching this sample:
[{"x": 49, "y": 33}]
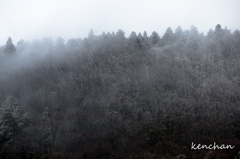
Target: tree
[
  {"x": 178, "y": 33},
  {"x": 236, "y": 37},
  {"x": 91, "y": 35},
  {"x": 119, "y": 37},
  {"x": 21, "y": 45},
  {"x": 105, "y": 37},
  {"x": 218, "y": 32},
  {"x": 145, "y": 34},
  {"x": 113, "y": 34},
  {"x": 167, "y": 37},
  {"x": 134, "y": 41},
  {"x": 9, "y": 47},
  {"x": 192, "y": 45},
  {"x": 120, "y": 34},
  {"x": 210, "y": 33},
  {"x": 133, "y": 36},
  {"x": 194, "y": 32},
  {"x": 21, "y": 42},
  {"x": 137, "y": 43},
  {"x": 103, "y": 34},
  {"x": 59, "y": 44},
  {"x": 155, "y": 38},
  {"x": 218, "y": 28},
  {"x": 86, "y": 43},
  {"x": 72, "y": 43},
  {"x": 140, "y": 37},
  {"x": 169, "y": 31}
]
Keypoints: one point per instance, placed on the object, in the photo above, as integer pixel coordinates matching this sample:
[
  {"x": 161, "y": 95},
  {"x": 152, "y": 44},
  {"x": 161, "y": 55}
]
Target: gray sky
[{"x": 35, "y": 19}]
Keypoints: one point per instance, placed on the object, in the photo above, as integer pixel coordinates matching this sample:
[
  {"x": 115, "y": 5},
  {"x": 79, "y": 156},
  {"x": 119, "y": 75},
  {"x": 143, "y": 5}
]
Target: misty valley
[{"x": 111, "y": 96}]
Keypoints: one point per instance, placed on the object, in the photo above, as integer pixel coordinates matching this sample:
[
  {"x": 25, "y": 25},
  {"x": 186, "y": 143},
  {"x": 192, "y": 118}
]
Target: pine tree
[
  {"x": 120, "y": 34},
  {"x": 210, "y": 33},
  {"x": 145, "y": 34},
  {"x": 167, "y": 37},
  {"x": 9, "y": 47},
  {"x": 59, "y": 44},
  {"x": 133, "y": 35},
  {"x": 140, "y": 37},
  {"x": 155, "y": 38},
  {"x": 120, "y": 37},
  {"x": 91, "y": 35},
  {"x": 178, "y": 33},
  {"x": 218, "y": 28},
  {"x": 21, "y": 45}
]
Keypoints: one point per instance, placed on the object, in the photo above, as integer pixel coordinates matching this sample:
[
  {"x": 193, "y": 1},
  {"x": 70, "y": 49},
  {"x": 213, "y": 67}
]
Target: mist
[{"x": 84, "y": 79}]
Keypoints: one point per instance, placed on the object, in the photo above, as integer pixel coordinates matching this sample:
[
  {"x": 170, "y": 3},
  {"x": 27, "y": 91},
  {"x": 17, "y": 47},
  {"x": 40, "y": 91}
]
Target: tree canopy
[{"x": 9, "y": 47}]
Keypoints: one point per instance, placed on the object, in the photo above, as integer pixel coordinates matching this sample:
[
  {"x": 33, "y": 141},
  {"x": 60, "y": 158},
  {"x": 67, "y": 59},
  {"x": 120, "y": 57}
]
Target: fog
[
  {"x": 28, "y": 20},
  {"x": 70, "y": 90}
]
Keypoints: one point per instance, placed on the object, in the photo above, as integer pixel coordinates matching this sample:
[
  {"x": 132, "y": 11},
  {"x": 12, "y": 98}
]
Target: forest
[{"x": 110, "y": 96}]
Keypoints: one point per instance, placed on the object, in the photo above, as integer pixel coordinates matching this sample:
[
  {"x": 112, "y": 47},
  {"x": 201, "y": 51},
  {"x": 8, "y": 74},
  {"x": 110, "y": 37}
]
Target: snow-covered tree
[
  {"x": 155, "y": 38},
  {"x": 167, "y": 37}
]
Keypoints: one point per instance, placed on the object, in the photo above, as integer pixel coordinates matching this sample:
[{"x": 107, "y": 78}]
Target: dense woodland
[{"x": 111, "y": 96}]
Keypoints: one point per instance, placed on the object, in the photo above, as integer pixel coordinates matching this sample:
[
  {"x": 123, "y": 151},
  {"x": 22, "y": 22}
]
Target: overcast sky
[{"x": 35, "y": 19}]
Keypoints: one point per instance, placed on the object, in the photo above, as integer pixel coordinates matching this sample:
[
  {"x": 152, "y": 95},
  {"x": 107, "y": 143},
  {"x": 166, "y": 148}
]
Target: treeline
[
  {"x": 192, "y": 38},
  {"x": 112, "y": 96}
]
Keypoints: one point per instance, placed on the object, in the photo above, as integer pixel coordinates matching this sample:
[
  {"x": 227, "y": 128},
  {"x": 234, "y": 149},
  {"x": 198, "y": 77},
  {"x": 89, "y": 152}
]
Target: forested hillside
[{"x": 112, "y": 96}]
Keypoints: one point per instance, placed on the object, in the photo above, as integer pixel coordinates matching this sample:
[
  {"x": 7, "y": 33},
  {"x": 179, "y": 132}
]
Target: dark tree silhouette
[
  {"x": 9, "y": 47},
  {"x": 218, "y": 28}
]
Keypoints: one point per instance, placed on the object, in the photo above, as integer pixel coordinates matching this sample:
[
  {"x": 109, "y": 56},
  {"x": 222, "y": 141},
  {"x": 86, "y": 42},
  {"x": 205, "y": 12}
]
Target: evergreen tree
[
  {"x": 120, "y": 34},
  {"x": 72, "y": 43},
  {"x": 155, "y": 38},
  {"x": 218, "y": 32},
  {"x": 91, "y": 35},
  {"x": 21, "y": 45},
  {"x": 86, "y": 43},
  {"x": 137, "y": 43},
  {"x": 21, "y": 42},
  {"x": 145, "y": 34},
  {"x": 119, "y": 37},
  {"x": 218, "y": 28},
  {"x": 194, "y": 32},
  {"x": 103, "y": 35},
  {"x": 210, "y": 33},
  {"x": 113, "y": 34},
  {"x": 167, "y": 37},
  {"x": 140, "y": 37},
  {"x": 132, "y": 38},
  {"x": 178, "y": 33},
  {"x": 192, "y": 45},
  {"x": 133, "y": 35},
  {"x": 59, "y": 44},
  {"x": 236, "y": 37},
  {"x": 9, "y": 47}
]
